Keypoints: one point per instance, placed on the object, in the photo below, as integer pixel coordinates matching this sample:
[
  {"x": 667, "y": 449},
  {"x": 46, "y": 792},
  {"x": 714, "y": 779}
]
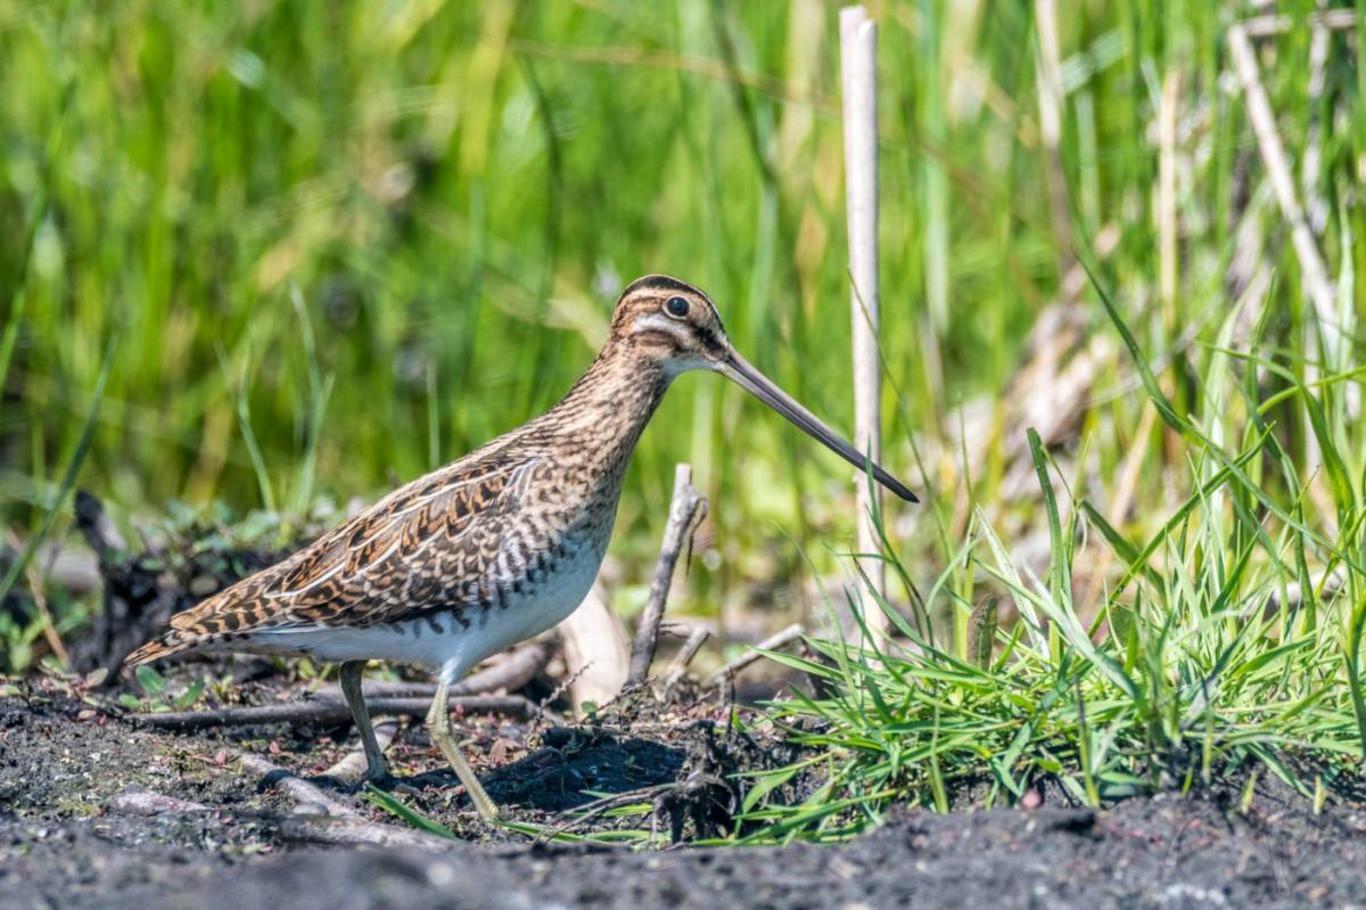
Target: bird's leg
[
  {"x": 375, "y": 767},
  {"x": 439, "y": 725}
]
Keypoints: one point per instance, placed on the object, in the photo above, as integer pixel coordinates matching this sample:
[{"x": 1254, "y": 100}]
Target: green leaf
[
  {"x": 982, "y": 626},
  {"x": 1060, "y": 574},
  {"x": 152, "y": 682},
  {"x": 396, "y": 807},
  {"x": 767, "y": 784},
  {"x": 191, "y": 695}
]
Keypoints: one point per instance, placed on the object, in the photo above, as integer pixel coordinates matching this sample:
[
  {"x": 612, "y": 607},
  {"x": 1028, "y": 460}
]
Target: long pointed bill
[{"x": 743, "y": 373}]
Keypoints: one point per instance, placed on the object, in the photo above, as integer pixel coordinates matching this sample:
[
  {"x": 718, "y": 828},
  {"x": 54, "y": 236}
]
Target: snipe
[{"x": 495, "y": 547}]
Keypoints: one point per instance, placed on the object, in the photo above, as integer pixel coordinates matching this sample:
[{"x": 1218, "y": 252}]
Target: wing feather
[
  {"x": 404, "y": 567},
  {"x": 431, "y": 544}
]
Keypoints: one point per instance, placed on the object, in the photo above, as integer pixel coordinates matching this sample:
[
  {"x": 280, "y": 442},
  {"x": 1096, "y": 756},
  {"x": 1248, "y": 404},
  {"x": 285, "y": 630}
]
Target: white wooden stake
[{"x": 858, "y": 66}]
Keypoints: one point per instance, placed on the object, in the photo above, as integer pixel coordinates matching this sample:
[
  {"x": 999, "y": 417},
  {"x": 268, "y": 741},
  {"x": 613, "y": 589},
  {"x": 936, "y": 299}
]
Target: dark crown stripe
[{"x": 659, "y": 283}]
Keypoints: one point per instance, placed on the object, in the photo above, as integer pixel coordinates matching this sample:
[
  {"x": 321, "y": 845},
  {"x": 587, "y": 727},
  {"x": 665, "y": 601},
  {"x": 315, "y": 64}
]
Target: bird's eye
[{"x": 676, "y": 307}]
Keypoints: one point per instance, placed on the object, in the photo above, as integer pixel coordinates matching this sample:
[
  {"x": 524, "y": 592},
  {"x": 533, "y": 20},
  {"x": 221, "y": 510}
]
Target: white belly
[{"x": 439, "y": 640}]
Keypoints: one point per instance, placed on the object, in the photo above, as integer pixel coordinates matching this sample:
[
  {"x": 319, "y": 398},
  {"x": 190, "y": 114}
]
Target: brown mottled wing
[
  {"x": 432, "y": 547},
  {"x": 433, "y": 543}
]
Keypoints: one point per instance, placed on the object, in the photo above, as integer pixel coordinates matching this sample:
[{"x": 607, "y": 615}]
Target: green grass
[{"x": 1228, "y": 648}]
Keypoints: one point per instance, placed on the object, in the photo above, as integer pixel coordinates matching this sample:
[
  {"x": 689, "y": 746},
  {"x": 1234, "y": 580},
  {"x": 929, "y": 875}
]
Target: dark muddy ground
[
  {"x": 71, "y": 835},
  {"x": 98, "y": 811}
]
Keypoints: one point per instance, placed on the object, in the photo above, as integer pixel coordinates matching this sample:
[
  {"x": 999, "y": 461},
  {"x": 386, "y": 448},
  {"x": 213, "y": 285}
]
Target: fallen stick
[
  {"x": 686, "y": 509},
  {"x": 597, "y": 654},
  {"x": 337, "y": 818},
  {"x": 301, "y": 791},
  {"x": 328, "y": 711},
  {"x": 345, "y": 832},
  {"x": 778, "y": 640}
]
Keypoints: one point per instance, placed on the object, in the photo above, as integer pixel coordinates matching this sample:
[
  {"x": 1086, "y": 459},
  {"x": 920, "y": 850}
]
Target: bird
[{"x": 495, "y": 547}]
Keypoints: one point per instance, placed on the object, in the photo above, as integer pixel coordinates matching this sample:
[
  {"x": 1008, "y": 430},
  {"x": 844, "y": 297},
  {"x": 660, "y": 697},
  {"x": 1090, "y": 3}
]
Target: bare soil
[
  {"x": 98, "y": 810},
  {"x": 79, "y": 827}
]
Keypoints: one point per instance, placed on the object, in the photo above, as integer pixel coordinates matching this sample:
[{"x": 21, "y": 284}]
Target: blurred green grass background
[{"x": 332, "y": 245}]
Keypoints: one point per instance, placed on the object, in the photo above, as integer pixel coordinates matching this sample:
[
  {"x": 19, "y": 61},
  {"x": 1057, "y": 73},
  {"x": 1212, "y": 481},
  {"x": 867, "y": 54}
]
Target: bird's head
[
  {"x": 676, "y": 326},
  {"x": 671, "y": 323}
]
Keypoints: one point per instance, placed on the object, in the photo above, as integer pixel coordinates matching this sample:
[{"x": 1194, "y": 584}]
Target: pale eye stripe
[{"x": 661, "y": 323}]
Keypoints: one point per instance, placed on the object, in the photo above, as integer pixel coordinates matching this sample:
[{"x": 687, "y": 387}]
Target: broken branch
[
  {"x": 687, "y": 508},
  {"x": 596, "y": 652},
  {"x": 685, "y": 655},
  {"x": 778, "y": 640},
  {"x": 349, "y": 832}
]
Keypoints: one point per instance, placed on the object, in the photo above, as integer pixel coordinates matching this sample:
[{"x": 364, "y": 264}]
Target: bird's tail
[
  {"x": 172, "y": 641},
  {"x": 208, "y": 624}
]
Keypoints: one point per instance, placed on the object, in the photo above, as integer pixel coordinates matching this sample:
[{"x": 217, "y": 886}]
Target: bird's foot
[
  {"x": 479, "y": 798},
  {"x": 385, "y": 781},
  {"x": 483, "y": 804},
  {"x": 377, "y": 775}
]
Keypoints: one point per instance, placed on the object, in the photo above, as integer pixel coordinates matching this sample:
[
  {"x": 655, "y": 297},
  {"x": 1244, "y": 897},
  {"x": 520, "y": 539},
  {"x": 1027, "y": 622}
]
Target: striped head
[
  {"x": 675, "y": 326},
  {"x": 672, "y": 323}
]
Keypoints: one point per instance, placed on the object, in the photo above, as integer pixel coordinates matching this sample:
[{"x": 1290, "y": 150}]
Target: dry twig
[
  {"x": 1318, "y": 287},
  {"x": 687, "y": 508},
  {"x": 778, "y": 640},
  {"x": 347, "y": 832},
  {"x": 304, "y": 794},
  {"x": 691, "y": 646}
]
